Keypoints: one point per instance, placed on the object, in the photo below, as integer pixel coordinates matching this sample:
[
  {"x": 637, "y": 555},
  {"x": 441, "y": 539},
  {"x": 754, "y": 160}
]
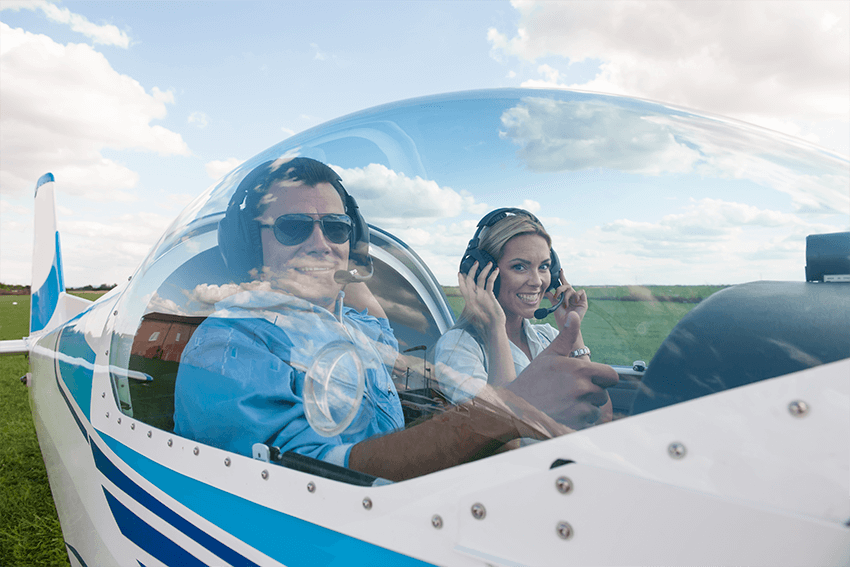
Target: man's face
[{"x": 307, "y": 269}]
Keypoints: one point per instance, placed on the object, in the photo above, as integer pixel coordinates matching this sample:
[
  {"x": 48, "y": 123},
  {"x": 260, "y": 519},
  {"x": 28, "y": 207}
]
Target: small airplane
[{"x": 730, "y": 446}]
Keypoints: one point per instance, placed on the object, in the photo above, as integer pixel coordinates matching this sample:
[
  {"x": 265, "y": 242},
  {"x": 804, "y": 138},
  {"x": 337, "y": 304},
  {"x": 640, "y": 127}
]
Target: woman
[{"x": 494, "y": 341}]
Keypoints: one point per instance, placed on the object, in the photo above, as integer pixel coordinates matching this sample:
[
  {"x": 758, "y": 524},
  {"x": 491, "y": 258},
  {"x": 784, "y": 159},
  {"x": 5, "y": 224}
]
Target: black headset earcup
[
  {"x": 483, "y": 258},
  {"x": 359, "y": 258},
  {"x": 554, "y": 269},
  {"x": 239, "y": 243}
]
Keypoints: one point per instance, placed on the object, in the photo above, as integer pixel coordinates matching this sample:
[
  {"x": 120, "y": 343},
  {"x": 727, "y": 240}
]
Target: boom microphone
[
  {"x": 345, "y": 277},
  {"x": 544, "y": 312}
]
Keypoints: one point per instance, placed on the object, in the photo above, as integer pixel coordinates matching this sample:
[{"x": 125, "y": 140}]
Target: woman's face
[{"x": 524, "y": 273}]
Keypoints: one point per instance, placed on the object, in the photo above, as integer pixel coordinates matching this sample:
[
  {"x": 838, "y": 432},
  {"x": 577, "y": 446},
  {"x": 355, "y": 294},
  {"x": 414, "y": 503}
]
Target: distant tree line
[
  {"x": 11, "y": 289},
  {"x": 101, "y": 287}
]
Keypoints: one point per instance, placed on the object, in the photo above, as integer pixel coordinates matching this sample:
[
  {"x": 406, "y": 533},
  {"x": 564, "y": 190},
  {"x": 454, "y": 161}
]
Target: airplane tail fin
[{"x": 49, "y": 300}]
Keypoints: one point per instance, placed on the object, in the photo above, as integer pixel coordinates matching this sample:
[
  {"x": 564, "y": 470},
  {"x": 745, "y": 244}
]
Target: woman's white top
[{"x": 461, "y": 362}]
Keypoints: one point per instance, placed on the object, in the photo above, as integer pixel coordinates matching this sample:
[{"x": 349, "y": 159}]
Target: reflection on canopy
[{"x": 632, "y": 192}]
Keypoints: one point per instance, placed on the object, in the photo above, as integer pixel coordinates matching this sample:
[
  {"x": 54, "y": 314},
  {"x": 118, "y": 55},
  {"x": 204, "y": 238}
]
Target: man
[{"x": 295, "y": 240}]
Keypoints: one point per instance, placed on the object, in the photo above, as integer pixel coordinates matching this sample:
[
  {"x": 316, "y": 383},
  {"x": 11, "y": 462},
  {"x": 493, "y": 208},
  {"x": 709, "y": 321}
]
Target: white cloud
[
  {"x": 62, "y": 105},
  {"x": 391, "y": 198},
  {"x": 115, "y": 244},
  {"x": 570, "y": 136},
  {"x": 158, "y": 304},
  {"x": 707, "y": 241},
  {"x": 530, "y": 206},
  {"x": 105, "y": 34},
  {"x": 218, "y": 168},
  {"x": 100, "y": 251},
  {"x": 780, "y": 64},
  {"x": 318, "y": 56},
  {"x": 558, "y": 136},
  {"x": 199, "y": 119}
]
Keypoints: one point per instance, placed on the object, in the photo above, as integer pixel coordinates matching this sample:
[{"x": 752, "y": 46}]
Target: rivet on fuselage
[
  {"x": 227, "y": 461},
  {"x": 564, "y": 530},
  {"x": 150, "y": 433},
  {"x": 265, "y": 475},
  {"x": 798, "y": 408},
  {"x": 479, "y": 512},
  {"x": 103, "y": 394},
  {"x": 196, "y": 450},
  {"x": 132, "y": 426},
  {"x": 107, "y": 414},
  {"x": 311, "y": 487},
  {"x": 564, "y": 485},
  {"x": 170, "y": 442},
  {"x": 119, "y": 421},
  {"x": 676, "y": 450},
  {"x": 436, "y": 521},
  {"x": 367, "y": 503}
]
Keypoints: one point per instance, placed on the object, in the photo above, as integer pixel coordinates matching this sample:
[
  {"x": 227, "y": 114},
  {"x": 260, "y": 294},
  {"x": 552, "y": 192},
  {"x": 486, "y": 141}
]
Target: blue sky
[{"x": 138, "y": 106}]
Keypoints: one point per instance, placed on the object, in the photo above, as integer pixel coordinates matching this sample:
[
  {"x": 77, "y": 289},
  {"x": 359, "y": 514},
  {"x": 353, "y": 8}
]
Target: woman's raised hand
[
  {"x": 482, "y": 308},
  {"x": 574, "y": 300}
]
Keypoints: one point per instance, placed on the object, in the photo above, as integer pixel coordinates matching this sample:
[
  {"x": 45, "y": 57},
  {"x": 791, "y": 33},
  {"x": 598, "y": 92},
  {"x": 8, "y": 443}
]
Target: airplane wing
[{"x": 11, "y": 347}]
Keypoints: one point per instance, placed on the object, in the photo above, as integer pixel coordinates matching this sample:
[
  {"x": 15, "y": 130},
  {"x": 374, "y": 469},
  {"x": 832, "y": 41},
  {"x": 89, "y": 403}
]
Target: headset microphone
[
  {"x": 544, "y": 312},
  {"x": 345, "y": 277}
]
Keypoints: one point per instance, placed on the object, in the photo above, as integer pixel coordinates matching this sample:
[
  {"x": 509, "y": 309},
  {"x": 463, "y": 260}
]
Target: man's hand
[{"x": 570, "y": 390}]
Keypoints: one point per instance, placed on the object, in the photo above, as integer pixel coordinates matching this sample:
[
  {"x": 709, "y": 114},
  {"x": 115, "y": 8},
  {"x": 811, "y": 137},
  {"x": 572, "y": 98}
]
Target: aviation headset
[
  {"x": 474, "y": 253},
  {"x": 239, "y": 238}
]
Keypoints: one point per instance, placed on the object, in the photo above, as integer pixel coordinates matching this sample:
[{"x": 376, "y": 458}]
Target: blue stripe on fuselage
[
  {"x": 292, "y": 541},
  {"x": 72, "y": 345},
  {"x": 148, "y": 538},
  {"x": 72, "y": 410},
  {"x": 76, "y": 554},
  {"x": 148, "y": 501}
]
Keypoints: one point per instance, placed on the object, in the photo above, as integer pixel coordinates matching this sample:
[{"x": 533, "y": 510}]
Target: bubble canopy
[{"x": 633, "y": 193}]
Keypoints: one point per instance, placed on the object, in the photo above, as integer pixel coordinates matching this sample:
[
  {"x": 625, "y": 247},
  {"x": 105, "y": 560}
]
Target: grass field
[
  {"x": 626, "y": 323},
  {"x": 29, "y": 528},
  {"x": 619, "y": 332}
]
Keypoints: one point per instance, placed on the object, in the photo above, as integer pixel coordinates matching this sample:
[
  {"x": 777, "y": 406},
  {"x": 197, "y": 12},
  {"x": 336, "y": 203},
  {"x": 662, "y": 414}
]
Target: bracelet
[{"x": 580, "y": 352}]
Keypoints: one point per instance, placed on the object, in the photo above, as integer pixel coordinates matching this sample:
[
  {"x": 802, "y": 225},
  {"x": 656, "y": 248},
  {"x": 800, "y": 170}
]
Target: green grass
[
  {"x": 30, "y": 534},
  {"x": 626, "y": 323}
]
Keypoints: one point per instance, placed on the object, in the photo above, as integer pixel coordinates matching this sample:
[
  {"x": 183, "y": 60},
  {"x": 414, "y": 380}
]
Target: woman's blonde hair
[{"x": 493, "y": 239}]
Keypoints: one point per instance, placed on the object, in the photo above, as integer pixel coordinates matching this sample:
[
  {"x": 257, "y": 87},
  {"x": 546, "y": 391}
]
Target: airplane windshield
[{"x": 308, "y": 306}]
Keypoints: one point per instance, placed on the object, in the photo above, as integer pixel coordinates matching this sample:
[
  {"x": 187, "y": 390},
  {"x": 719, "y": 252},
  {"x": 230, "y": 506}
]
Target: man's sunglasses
[{"x": 296, "y": 228}]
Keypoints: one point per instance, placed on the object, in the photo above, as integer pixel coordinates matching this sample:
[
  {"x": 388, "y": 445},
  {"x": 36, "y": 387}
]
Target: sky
[{"x": 137, "y": 107}]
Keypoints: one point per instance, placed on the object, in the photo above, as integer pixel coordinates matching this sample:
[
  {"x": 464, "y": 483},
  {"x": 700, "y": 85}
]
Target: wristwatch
[{"x": 580, "y": 352}]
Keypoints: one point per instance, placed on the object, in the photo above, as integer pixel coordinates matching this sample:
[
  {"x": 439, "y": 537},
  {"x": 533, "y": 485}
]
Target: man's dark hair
[{"x": 301, "y": 169}]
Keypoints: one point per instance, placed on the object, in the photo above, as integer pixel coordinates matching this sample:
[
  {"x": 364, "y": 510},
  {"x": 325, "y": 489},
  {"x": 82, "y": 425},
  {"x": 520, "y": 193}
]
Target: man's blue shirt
[{"x": 241, "y": 376}]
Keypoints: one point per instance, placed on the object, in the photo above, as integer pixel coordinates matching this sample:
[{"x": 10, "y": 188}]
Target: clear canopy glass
[{"x": 651, "y": 209}]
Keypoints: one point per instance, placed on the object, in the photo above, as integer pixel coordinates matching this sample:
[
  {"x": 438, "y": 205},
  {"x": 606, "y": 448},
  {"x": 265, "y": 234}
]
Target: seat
[{"x": 747, "y": 333}]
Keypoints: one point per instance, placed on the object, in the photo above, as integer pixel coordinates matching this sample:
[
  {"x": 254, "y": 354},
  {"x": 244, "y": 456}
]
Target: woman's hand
[
  {"x": 482, "y": 308},
  {"x": 574, "y": 300}
]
